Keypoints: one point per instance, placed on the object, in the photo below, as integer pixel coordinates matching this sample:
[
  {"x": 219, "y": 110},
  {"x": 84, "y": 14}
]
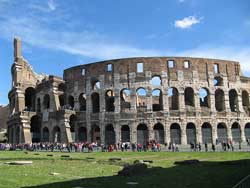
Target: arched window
[
  {"x": 38, "y": 105},
  {"x": 56, "y": 134},
  {"x": 82, "y": 102},
  {"x": 95, "y": 84},
  {"x": 46, "y": 101},
  {"x": 61, "y": 100},
  {"x": 35, "y": 129},
  {"x": 95, "y": 102},
  {"x": 175, "y": 133},
  {"x": 247, "y": 131},
  {"x": 189, "y": 97},
  {"x": 173, "y": 96},
  {"x": 233, "y": 100},
  {"x": 157, "y": 100},
  {"x": 204, "y": 97},
  {"x": 72, "y": 123},
  {"x": 45, "y": 134},
  {"x": 109, "y": 135},
  {"x": 245, "y": 100},
  {"x": 219, "y": 100},
  {"x": 82, "y": 134},
  {"x": 235, "y": 129},
  {"x": 191, "y": 133},
  {"x": 156, "y": 81},
  {"x": 141, "y": 101},
  {"x": 109, "y": 101},
  {"x": 125, "y": 133},
  {"x": 95, "y": 133},
  {"x": 222, "y": 132},
  {"x": 142, "y": 134},
  {"x": 71, "y": 102},
  {"x": 125, "y": 99},
  {"x": 206, "y": 131},
  {"x": 218, "y": 81},
  {"x": 30, "y": 97}
]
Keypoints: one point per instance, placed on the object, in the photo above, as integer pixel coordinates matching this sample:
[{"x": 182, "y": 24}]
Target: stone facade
[
  {"x": 4, "y": 112},
  {"x": 167, "y": 99}
]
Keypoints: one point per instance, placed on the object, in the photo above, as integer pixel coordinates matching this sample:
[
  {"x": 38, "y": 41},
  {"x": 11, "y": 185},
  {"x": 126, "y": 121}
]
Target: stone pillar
[
  {"x": 214, "y": 133},
  {"x": 117, "y": 130},
  {"x": 117, "y": 102},
  {"x": 133, "y": 132},
  {"x": 150, "y": 131},
  {"x": 229, "y": 132},
  {"x": 182, "y": 106},
  {"x": 242, "y": 134},
  {"x": 183, "y": 135},
  {"x": 167, "y": 134},
  {"x": 149, "y": 100},
  {"x": 198, "y": 134},
  {"x": 133, "y": 99},
  {"x": 165, "y": 101}
]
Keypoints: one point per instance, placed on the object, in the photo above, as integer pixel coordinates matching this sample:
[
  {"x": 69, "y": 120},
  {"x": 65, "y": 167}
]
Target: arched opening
[
  {"x": 222, "y": 132},
  {"x": 110, "y": 101},
  {"x": 46, "y": 101},
  {"x": 218, "y": 81},
  {"x": 72, "y": 124},
  {"x": 30, "y": 97},
  {"x": 95, "y": 132},
  {"x": 95, "y": 102},
  {"x": 71, "y": 102},
  {"x": 175, "y": 133},
  {"x": 61, "y": 100},
  {"x": 204, "y": 95},
  {"x": 82, "y": 102},
  {"x": 82, "y": 134},
  {"x": 35, "y": 129},
  {"x": 219, "y": 100},
  {"x": 45, "y": 134},
  {"x": 141, "y": 99},
  {"x": 156, "y": 81},
  {"x": 173, "y": 96},
  {"x": 62, "y": 87},
  {"x": 57, "y": 134},
  {"x": 245, "y": 100},
  {"x": 109, "y": 135},
  {"x": 142, "y": 134},
  {"x": 189, "y": 96},
  {"x": 157, "y": 100},
  {"x": 233, "y": 100},
  {"x": 125, "y": 133},
  {"x": 18, "y": 135},
  {"x": 38, "y": 105},
  {"x": 247, "y": 131},
  {"x": 191, "y": 133},
  {"x": 206, "y": 131},
  {"x": 235, "y": 129},
  {"x": 125, "y": 99},
  {"x": 95, "y": 84},
  {"x": 159, "y": 133}
]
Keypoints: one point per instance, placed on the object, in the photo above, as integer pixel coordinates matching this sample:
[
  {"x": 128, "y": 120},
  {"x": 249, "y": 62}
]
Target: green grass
[{"x": 77, "y": 171}]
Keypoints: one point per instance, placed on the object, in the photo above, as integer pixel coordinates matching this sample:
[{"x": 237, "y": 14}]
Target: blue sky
[{"x": 59, "y": 34}]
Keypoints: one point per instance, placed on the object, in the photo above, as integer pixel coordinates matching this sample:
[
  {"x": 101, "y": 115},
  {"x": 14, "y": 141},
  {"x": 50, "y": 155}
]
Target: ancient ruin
[{"x": 167, "y": 99}]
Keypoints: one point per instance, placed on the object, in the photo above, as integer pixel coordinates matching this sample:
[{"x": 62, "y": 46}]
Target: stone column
[
  {"x": 198, "y": 134},
  {"x": 167, "y": 134},
  {"x": 214, "y": 133},
  {"x": 117, "y": 102},
  {"x": 229, "y": 132},
  {"x": 183, "y": 135},
  {"x": 242, "y": 134},
  {"x": 149, "y": 100},
  {"x": 133, "y": 132}
]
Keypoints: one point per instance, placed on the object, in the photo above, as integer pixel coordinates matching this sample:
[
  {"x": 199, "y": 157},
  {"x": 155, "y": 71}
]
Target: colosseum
[{"x": 167, "y": 99}]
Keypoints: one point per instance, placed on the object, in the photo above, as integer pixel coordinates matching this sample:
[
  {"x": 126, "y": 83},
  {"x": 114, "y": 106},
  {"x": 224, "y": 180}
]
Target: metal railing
[{"x": 244, "y": 183}]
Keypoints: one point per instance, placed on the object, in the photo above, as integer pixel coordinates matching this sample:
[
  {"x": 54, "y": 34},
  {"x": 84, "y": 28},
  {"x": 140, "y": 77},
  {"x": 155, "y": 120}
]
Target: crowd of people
[{"x": 121, "y": 146}]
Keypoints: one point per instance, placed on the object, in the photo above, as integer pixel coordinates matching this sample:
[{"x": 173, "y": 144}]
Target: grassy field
[{"x": 79, "y": 171}]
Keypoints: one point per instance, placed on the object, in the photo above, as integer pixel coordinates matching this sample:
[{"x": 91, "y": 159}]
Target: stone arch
[
  {"x": 38, "y": 105},
  {"x": 141, "y": 98},
  {"x": 159, "y": 133},
  {"x": 45, "y": 134},
  {"x": 71, "y": 102},
  {"x": 219, "y": 100},
  {"x": 95, "y": 133},
  {"x": 82, "y": 134},
  {"x": 46, "y": 101},
  {"x": 173, "y": 96},
  {"x": 142, "y": 134},
  {"x": 175, "y": 133},
  {"x": 96, "y": 84},
  {"x": 222, "y": 132},
  {"x": 125, "y": 99},
  {"x": 82, "y": 102},
  {"x": 30, "y": 97},
  {"x": 204, "y": 95},
  {"x": 191, "y": 133},
  {"x": 156, "y": 80},
  {"x": 218, "y": 81},
  {"x": 35, "y": 128},
  {"x": 236, "y": 132},
  {"x": 189, "y": 97},
  {"x": 72, "y": 124},
  {"x": 109, "y": 135},
  {"x": 125, "y": 133},
  {"x": 247, "y": 131},
  {"x": 245, "y": 100},
  {"x": 206, "y": 131},
  {"x": 95, "y": 98},
  {"x": 233, "y": 100},
  {"x": 109, "y": 101},
  {"x": 56, "y": 133},
  {"x": 62, "y": 87},
  {"x": 157, "y": 103},
  {"x": 62, "y": 100}
]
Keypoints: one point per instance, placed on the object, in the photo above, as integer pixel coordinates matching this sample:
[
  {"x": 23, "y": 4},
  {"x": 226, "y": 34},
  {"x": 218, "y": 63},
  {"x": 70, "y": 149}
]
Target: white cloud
[
  {"x": 51, "y": 5},
  {"x": 187, "y": 22}
]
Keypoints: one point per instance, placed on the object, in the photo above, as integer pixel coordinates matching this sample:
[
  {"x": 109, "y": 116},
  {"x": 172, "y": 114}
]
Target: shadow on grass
[{"x": 204, "y": 174}]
